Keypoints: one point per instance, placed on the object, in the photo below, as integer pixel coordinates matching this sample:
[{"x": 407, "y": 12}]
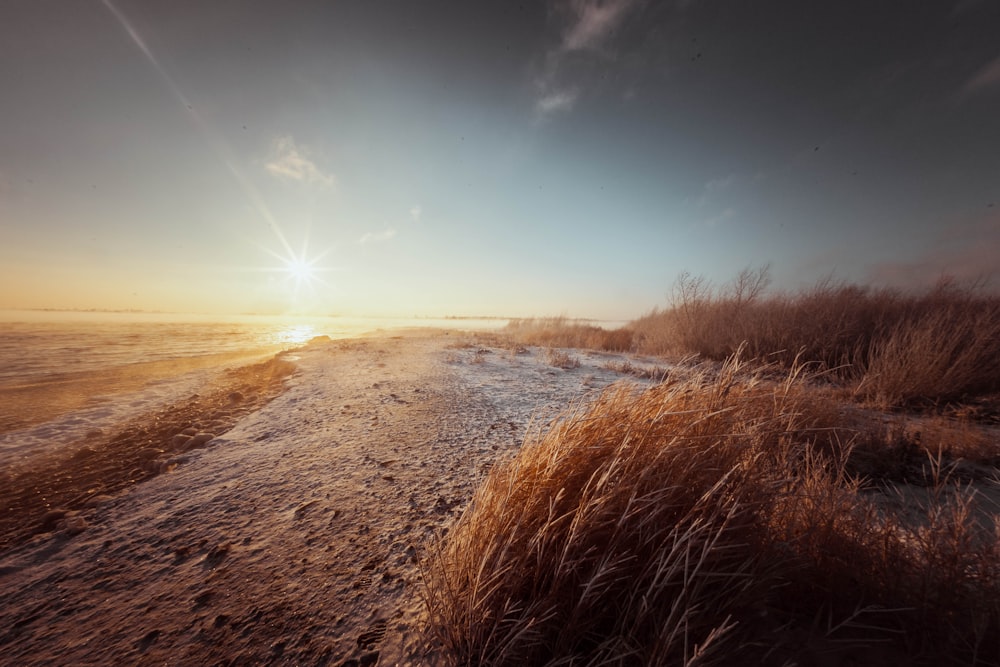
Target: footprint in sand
[
  {"x": 368, "y": 640},
  {"x": 217, "y": 554},
  {"x": 147, "y": 640},
  {"x": 203, "y": 598},
  {"x": 301, "y": 510},
  {"x": 365, "y": 580}
]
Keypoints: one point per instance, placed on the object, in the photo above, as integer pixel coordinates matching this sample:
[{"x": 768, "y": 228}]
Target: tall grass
[
  {"x": 949, "y": 351},
  {"x": 564, "y": 332},
  {"x": 704, "y": 521},
  {"x": 893, "y": 348}
]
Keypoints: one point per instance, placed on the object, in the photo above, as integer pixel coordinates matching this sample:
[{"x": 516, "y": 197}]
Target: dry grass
[
  {"x": 561, "y": 359},
  {"x": 889, "y": 348},
  {"x": 893, "y": 349},
  {"x": 710, "y": 520},
  {"x": 563, "y": 332},
  {"x": 949, "y": 352},
  {"x": 626, "y": 367}
]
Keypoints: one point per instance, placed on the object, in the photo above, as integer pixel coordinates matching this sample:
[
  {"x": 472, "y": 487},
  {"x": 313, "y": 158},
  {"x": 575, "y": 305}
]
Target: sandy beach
[{"x": 293, "y": 535}]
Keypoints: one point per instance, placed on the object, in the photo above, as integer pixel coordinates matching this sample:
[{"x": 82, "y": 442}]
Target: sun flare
[
  {"x": 300, "y": 275},
  {"x": 301, "y": 270}
]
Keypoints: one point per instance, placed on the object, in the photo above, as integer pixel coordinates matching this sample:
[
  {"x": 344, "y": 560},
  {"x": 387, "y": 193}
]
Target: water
[
  {"x": 35, "y": 346},
  {"x": 64, "y": 375}
]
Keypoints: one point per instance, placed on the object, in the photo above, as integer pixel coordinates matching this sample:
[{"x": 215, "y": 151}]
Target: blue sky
[{"x": 444, "y": 158}]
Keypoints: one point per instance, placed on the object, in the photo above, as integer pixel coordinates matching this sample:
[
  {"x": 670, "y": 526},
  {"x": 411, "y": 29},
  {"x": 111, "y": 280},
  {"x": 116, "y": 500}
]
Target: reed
[
  {"x": 564, "y": 332},
  {"x": 706, "y": 520},
  {"x": 892, "y": 349}
]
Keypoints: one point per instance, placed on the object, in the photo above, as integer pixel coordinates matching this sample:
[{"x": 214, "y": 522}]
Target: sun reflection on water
[{"x": 296, "y": 334}]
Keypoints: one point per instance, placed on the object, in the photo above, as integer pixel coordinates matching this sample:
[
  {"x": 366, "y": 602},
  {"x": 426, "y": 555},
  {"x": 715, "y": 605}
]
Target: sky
[{"x": 567, "y": 157}]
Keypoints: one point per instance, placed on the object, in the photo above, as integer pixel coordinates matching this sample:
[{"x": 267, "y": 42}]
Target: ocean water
[
  {"x": 39, "y": 345},
  {"x": 32, "y": 351},
  {"x": 64, "y": 375}
]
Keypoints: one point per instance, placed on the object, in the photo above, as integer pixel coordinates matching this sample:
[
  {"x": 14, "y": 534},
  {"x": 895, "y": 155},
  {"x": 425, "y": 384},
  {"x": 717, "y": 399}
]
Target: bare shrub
[{"x": 896, "y": 349}]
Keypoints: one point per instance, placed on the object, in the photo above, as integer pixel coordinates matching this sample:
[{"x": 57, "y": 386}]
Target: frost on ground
[{"x": 294, "y": 537}]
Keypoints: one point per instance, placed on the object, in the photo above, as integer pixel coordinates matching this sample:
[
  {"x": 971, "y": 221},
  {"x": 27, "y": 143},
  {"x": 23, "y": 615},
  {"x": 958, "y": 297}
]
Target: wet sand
[{"x": 26, "y": 403}]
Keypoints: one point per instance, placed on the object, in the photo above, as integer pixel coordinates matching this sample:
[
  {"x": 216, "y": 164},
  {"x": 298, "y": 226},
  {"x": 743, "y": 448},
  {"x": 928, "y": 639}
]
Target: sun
[
  {"x": 301, "y": 270},
  {"x": 301, "y": 275}
]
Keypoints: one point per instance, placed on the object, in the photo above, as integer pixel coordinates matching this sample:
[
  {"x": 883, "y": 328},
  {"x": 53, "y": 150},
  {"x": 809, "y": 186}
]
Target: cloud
[
  {"x": 291, "y": 162},
  {"x": 593, "y": 21},
  {"x": 714, "y": 189},
  {"x": 415, "y": 212},
  {"x": 987, "y": 77},
  {"x": 587, "y": 26},
  {"x": 557, "y": 102},
  {"x": 375, "y": 237}
]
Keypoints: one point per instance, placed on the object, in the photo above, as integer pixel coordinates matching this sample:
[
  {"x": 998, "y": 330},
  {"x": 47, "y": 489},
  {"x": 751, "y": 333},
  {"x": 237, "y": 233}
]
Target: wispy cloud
[
  {"x": 714, "y": 189},
  {"x": 586, "y": 28},
  {"x": 987, "y": 77},
  {"x": 290, "y": 161},
  {"x": 593, "y": 21},
  {"x": 375, "y": 237},
  {"x": 557, "y": 101},
  {"x": 416, "y": 212}
]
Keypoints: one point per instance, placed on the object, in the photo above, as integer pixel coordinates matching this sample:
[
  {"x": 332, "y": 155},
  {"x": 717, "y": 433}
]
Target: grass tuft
[
  {"x": 708, "y": 520},
  {"x": 561, "y": 359},
  {"x": 563, "y": 332}
]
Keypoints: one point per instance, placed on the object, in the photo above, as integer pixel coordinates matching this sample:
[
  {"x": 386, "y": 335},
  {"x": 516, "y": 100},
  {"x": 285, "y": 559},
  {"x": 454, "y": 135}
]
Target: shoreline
[
  {"x": 54, "y": 486},
  {"x": 37, "y": 401}
]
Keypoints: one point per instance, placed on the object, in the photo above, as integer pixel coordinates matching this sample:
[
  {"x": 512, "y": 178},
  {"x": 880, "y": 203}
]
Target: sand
[{"x": 293, "y": 535}]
